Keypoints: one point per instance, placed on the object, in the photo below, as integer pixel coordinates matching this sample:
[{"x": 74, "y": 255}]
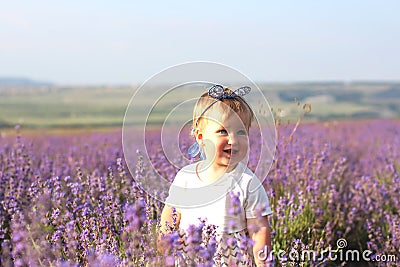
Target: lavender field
[{"x": 69, "y": 200}]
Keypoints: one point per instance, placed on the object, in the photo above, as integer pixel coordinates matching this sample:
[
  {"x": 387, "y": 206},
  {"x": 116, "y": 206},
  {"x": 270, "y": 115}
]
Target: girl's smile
[{"x": 230, "y": 152}]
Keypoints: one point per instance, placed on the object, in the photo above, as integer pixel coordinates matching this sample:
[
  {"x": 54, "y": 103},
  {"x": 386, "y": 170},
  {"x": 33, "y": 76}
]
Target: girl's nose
[{"x": 232, "y": 139}]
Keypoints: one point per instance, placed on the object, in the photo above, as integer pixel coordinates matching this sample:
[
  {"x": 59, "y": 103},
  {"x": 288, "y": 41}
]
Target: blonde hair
[{"x": 225, "y": 106}]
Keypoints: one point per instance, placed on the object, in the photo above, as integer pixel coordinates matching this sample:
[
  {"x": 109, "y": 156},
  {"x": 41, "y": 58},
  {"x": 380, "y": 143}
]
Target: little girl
[{"x": 220, "y": 189}]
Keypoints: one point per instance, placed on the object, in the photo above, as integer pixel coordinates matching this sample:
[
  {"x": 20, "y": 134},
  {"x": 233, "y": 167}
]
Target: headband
[{"x": 218, "y": 92}]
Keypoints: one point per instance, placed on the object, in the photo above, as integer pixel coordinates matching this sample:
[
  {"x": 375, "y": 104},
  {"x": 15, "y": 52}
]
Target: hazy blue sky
[{"x": 125, "y": 42}]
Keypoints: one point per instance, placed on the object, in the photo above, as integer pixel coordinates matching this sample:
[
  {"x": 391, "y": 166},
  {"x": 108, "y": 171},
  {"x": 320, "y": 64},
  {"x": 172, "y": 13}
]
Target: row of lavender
[{"x": 69, "y": 200}]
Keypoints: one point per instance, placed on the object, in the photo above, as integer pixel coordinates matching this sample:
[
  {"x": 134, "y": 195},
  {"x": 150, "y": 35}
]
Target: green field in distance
[{"x": 104, "y": 106}]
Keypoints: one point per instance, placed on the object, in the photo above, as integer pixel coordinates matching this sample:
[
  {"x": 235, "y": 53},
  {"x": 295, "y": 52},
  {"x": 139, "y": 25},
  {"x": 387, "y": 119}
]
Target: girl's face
[{"x": 225, "y": 141}]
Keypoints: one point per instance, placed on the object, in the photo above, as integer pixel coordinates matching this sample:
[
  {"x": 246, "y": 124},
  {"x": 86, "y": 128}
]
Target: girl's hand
[{"x": 259, "y": 231}]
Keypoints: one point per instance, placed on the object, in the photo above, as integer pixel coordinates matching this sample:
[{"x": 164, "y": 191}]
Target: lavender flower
[{"x": 70, "y": 201}]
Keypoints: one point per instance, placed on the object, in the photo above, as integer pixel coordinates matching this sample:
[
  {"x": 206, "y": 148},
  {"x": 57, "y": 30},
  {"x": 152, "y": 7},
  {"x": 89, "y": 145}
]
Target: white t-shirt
[{"x": 196, "y": 200}]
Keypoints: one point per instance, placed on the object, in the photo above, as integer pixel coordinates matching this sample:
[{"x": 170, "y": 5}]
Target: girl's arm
[
  {"x": 167, "y": 219},
  {"x": 259, "y": 231},
  {"x": 170, "y": 220}
]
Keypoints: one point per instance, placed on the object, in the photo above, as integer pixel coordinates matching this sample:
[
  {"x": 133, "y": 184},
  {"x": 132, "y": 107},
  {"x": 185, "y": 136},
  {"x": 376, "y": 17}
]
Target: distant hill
[
  {"x": 21, "y": 81},
  {"x": 390, "y": 93},
  {"x": 35, "y": 105}
]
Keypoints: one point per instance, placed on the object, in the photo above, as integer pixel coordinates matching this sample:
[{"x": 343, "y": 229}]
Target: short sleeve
[{"x": 256, "y": 203}]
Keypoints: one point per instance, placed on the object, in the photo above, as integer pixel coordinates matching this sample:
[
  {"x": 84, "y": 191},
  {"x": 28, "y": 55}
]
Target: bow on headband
[{"x": 218, "y": 92}]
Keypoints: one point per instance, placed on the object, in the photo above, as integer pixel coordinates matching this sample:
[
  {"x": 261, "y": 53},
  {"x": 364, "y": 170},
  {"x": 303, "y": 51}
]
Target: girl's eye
[
  {"x": 242, "y": 132},
  {"x": 223, "y": 132}
]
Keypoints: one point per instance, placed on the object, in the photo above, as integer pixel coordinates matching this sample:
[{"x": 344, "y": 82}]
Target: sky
[{"x": 126, "y": 42}]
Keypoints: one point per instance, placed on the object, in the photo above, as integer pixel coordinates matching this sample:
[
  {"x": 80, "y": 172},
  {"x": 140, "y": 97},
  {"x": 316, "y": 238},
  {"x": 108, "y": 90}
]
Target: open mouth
[{"x": 230, "y": 152}]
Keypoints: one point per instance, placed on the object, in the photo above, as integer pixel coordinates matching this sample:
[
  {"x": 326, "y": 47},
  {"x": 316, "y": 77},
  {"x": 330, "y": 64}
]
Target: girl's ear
[{"x": 199, "y": 135}]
